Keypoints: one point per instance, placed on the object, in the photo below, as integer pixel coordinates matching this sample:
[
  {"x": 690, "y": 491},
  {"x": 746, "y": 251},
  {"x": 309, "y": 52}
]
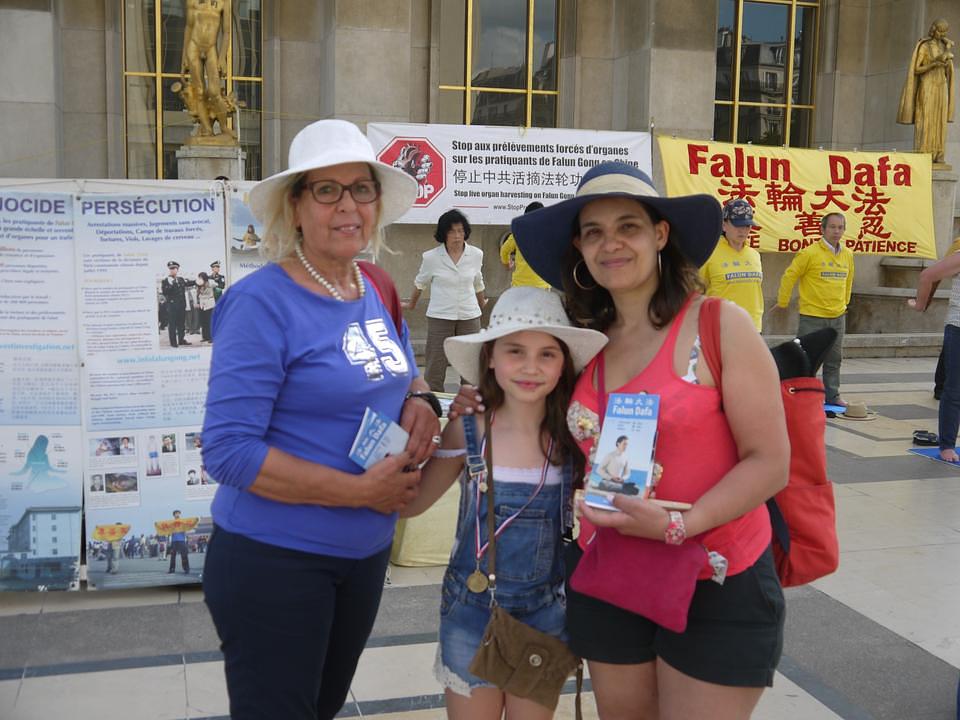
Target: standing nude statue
[
  {"x": 204, "y": 66},
  {"x": 928, "y": 100}
]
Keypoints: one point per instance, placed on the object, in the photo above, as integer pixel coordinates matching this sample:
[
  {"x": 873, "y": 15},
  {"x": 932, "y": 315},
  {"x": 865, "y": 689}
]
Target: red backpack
[
  {"x": 803, "y": 515},
  {"x": 386, "y": 290}
]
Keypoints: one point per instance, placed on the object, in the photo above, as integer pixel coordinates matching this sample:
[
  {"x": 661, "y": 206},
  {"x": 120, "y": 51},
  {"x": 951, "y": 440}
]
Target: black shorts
[{"x": 734, "y": 632}]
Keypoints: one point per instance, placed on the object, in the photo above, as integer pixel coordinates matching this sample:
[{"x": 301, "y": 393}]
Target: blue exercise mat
[{"x": 934, "y": 454}]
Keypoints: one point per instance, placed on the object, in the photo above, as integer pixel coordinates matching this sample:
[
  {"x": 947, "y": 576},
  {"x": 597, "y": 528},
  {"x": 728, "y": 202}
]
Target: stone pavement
[{"x": 879, "y": 640}]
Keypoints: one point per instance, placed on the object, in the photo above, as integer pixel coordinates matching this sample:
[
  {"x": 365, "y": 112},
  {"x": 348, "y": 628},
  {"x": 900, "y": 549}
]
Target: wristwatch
[
  {"x": 430, "y": 398},
  {"x": 676, "y": 532}
]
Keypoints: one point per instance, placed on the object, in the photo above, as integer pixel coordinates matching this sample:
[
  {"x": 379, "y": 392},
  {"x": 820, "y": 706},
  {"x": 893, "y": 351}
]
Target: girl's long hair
[{"x": 554, "y": 425}]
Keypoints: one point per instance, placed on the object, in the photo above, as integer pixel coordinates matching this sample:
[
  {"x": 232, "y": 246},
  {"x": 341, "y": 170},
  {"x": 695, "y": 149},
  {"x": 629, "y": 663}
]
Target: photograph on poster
[
  {"x": 41, "y": 486},
  {"x": 96, "y": 483},
  {"x": 152, "y": 459},
  {"x": 193, "y": 441},
  {"x": 161, "y": 542},
  {"x": 121, "y": 482},
  {"x": 123, "y": 445},
  {"x": 169, "y": 443},
  {"x": 245, "y": 236},
  {"x": 185, "y": 304}
]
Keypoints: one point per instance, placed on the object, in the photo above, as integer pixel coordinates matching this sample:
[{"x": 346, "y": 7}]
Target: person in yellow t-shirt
[
  {"x": 733, "y": 271},
  {"x": 825, "y": 272},
  {"x": 523, "y": 274}
]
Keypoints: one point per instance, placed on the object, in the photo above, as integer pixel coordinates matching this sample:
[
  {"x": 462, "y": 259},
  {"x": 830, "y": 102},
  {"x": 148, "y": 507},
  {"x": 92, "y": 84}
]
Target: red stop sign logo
[{"x": 420, "y": 160}]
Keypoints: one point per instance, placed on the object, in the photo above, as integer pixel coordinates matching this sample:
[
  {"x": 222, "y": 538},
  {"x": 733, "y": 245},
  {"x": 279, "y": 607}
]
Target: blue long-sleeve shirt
[{"x": 295, "y": 370}]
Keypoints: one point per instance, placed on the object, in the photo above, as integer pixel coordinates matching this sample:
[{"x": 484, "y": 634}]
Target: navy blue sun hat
[{"x": 544, "y": 235}]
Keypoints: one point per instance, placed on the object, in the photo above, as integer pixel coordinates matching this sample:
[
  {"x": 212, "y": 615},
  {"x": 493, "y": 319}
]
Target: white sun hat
[
  {"x": 519, "y": 309},
  {"x": 334, "y": 142}
]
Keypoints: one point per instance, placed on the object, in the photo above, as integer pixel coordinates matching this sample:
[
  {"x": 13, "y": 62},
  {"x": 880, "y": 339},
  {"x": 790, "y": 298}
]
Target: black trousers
[
  {"x": 292, "y": 624},
  {"x": 179, "y": 547},
  {"x": 176, "y": 322}
]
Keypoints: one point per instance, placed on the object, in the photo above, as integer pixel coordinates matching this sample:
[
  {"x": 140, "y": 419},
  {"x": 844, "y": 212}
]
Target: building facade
[{"x": 80, "y": 79}]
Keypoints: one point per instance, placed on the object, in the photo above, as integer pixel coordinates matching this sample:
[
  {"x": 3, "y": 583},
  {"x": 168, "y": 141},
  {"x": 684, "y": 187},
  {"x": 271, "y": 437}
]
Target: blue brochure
[
  {"x": 377, "y": 437},
  {"x": 623, "y": 462}
]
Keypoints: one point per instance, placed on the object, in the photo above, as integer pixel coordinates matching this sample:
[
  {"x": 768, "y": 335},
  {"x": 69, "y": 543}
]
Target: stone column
[
  {"x": 207, "y": 162},
  {"x": 944, "y": 199}
]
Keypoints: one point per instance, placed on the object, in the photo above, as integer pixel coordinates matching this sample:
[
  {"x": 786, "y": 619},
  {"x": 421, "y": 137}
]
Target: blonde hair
[{"x": 281, "y": 235}]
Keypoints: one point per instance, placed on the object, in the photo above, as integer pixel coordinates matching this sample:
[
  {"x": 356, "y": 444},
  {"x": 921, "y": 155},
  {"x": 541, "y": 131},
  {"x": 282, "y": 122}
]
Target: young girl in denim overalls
[{"x": 524, "y": 364}]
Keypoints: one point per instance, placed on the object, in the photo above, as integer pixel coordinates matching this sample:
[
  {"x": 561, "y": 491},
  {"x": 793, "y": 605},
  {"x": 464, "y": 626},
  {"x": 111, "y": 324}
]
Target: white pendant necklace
[{"x": 312, "y": 271}]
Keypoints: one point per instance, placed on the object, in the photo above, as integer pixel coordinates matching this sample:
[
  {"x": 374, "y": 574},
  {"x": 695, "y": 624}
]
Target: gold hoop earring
[{"x": 576, "y": 280}]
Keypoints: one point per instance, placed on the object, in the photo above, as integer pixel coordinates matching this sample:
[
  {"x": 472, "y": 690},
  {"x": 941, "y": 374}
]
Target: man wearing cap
[
  {"x": 218, "y": 281},
  {"x": 174, "y": 289},
  {"x": 733, "y": 271},
  {"x": 825, "y": 272}
]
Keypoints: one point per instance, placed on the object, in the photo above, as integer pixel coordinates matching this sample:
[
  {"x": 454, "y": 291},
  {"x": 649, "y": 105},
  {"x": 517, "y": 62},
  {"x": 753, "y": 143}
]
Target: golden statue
[
  {"x": 928, "y": 98},
  {"x": 204, "y": 69}
]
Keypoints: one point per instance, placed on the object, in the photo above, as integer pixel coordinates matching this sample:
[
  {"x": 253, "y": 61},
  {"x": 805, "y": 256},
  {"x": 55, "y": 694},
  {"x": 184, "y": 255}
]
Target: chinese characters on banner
[
  {"x": 887, "y": 198},
  {"x": 493, "y": 173}
]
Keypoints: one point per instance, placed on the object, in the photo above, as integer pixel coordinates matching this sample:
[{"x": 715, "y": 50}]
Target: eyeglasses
[{"x": 328, "y": 192}]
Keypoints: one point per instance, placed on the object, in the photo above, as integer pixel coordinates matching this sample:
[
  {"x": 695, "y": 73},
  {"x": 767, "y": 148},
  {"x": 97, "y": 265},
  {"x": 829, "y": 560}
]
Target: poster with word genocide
[
  {"x": 41, "y": 472},
  {"x": 886, "y": 198}
]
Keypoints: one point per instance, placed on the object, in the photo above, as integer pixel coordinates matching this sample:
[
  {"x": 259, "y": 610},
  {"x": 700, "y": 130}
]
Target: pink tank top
[{"x": 694, "y": 446}]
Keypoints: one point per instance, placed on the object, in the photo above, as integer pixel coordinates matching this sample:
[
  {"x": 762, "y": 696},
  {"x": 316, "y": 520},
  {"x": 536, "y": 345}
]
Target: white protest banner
[{"x": 493, "y": 173}]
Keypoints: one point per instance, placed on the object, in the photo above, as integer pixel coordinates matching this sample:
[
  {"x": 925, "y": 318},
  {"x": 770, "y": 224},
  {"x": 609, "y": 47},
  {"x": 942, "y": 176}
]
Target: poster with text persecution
[
  {"x": 493, "y": 173},
  {"x": 886, "y": 198}
]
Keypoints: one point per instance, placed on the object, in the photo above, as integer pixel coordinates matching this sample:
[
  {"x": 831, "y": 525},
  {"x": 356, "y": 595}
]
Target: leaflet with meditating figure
[{"x": 623, "y": 462}]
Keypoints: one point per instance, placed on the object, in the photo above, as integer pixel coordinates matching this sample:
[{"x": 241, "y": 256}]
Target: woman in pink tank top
[{"x": 627, "y": 260}]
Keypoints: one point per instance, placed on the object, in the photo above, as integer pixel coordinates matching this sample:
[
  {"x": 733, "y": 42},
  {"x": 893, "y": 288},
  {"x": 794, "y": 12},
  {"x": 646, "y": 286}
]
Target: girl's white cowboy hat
[
  {"x": 334, "y": 142},
  {"x": 518, "y": 309}
]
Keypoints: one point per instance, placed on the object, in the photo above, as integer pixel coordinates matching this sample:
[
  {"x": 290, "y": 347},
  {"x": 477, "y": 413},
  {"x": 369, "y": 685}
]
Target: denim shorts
[{"x": 463, "y": 618}]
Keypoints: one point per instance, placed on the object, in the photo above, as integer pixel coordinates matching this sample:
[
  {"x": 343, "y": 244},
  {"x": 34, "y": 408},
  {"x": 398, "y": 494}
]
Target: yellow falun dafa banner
[
  {"x": 886, "y": 198},
  {"x": 111, "y": 533},
  {"x": 178, "y": 525}
]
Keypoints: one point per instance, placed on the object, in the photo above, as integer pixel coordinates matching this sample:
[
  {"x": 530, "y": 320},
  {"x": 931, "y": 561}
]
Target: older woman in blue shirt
[
  {"x": 452, "y": 271},
  {"x": 295, "y": 567}
]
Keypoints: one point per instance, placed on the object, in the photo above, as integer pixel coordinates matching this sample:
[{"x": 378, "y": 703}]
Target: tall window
[
  {"x": 498, "y": 62},
  {"x": 765, "y": 71},
  {"x": 153, "y": 48}
]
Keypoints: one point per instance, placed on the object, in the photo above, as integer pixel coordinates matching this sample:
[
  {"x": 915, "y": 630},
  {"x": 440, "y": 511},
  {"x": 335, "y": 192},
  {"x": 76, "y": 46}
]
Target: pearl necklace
[{"x": 312, "y": 271}]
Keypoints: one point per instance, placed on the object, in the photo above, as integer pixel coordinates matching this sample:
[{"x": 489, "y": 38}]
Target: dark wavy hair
[
  {"x": 554, "y": 425},
  {"x": 447, "y": 221},
  {"x": 594, "y": 308}
]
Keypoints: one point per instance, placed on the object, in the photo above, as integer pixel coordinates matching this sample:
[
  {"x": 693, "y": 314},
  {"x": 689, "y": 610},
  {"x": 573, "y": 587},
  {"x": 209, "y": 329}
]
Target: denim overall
[{"x": 529, "y": 569}]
